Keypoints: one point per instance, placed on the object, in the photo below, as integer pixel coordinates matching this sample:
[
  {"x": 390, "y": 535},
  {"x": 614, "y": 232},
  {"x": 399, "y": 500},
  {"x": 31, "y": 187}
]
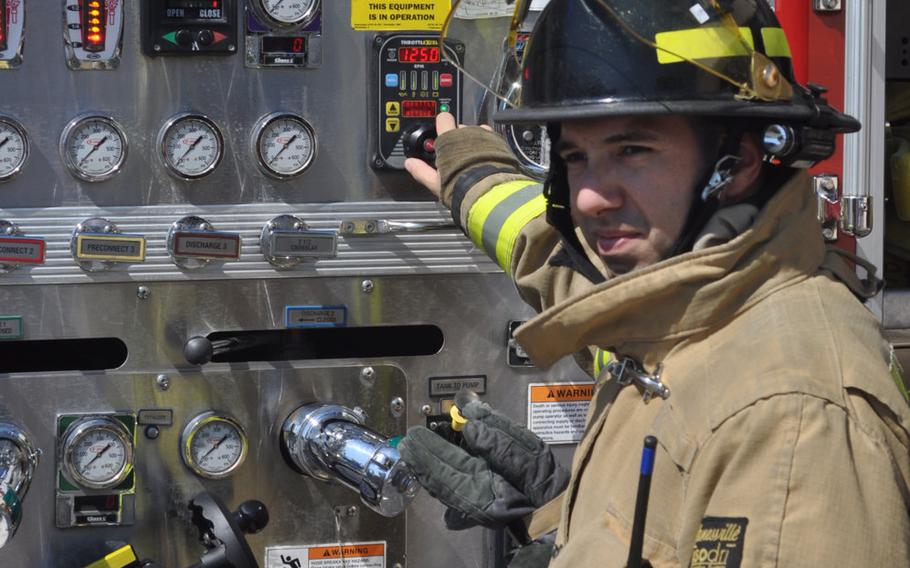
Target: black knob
[
  {"x": 198, "y": 350},
  {"x": 251, "y": 516},
  {"x": 420, "y": 142},
  {"x": 205, "y": 37},
  {"x": 183, "y": 37}
]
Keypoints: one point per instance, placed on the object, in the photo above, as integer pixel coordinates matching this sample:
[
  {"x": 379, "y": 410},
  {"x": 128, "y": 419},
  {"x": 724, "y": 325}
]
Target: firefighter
[{"x": 677, "y": 230}]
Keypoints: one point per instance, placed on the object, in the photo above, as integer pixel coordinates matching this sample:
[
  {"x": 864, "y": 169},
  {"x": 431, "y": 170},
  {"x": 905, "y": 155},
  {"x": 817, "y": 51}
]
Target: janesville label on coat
[
  {"x": 557, "y": 411},
  {"x": 349, "y": 555}
]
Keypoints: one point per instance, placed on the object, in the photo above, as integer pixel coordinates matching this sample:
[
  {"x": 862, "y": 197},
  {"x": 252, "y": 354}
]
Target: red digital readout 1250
[{"x": 418, "y": 54}]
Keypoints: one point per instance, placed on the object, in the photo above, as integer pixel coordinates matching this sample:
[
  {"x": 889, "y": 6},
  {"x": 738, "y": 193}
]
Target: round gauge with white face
[
  {"x": 93, "y": 147},
  {"x": 213, "y": 445},
  {"x": 97, "y": 452},
  {"x": 288, "y": 12},
  {"x": 13, "y": 148},
  {"x": 191, "y": 146},
  {"x": 284, "y": 145}
]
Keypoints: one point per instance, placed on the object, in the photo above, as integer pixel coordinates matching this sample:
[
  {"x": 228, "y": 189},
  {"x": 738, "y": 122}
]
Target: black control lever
[
  {"x": 221, "y": 531},
  {"x": 420, "y": 142},
  {"x": 200, "y": 350}
]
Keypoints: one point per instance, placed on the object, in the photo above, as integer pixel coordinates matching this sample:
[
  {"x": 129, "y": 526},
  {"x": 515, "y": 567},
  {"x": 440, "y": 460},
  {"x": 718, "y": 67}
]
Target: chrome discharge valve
[
  {"x": 18, "y": 460},
  {"x": 330, "y": 442}
]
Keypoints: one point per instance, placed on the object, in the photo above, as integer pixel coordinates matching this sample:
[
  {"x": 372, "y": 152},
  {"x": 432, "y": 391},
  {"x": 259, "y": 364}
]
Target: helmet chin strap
[{"x": 706, "y": 193}]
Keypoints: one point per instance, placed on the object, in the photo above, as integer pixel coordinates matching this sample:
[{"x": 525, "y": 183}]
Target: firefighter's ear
[{"x": 747, "y": 172}]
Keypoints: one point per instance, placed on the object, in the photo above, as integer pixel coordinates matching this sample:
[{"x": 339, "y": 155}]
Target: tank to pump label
[
  {"x": 11, "y": 327},
  {"x": 348, "y": 555},
  {"x": 385, "y": 15}
]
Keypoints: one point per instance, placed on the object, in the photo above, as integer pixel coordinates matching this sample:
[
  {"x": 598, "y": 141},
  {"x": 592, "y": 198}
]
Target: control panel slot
[
  {"x": 47, "y": 355},
  {"x": 330, "y": 343}
]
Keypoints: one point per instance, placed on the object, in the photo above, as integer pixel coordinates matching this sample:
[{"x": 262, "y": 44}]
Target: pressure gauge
[
  {"x": 13, "y": 148},
  {"x": 287, "y": 13},
  {"x": 191, "y": 145},
  {"x": 284, "y": 145},
  {"x": 93, "y": 147},
  {"x": 97, "y": 452},
  {"x": 213, "y": 445}
]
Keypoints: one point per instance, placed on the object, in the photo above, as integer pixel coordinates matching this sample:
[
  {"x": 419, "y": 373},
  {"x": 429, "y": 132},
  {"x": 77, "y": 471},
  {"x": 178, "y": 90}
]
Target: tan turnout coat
[{"x": 784, "y": 441}]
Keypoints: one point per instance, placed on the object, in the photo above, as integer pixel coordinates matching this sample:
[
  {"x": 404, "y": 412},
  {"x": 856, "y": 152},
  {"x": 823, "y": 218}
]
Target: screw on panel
[
  {"x": 426, "y": 410},
  {"x": 143, "y": 292},
  {"x": 163, "y": 382},
  {"x": 366, "y": 286},
  {"x": 397, "y": 407},
  {"x": 152, "y": 432},
  {"x": 368, "y": 373},
  {"x": 378, "y": 162},
  {"x": 156, "y": 47}
]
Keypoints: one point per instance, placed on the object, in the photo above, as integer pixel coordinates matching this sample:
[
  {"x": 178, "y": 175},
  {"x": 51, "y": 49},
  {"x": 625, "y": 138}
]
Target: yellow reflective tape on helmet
[
  {"x": 505, "y": 243},
  {"x": 776, "y": 44},
  {"x": 711, "y": 42},
  {"x": 484, "y": 234}
]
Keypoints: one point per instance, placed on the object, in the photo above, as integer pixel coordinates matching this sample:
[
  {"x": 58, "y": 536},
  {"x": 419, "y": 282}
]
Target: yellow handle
[
  {"x": 458, "y": 421},
  {"x": 120, "y": 558}
]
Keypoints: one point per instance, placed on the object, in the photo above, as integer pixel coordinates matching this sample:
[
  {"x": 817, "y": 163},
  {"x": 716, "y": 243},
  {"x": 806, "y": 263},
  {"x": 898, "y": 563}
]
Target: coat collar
[{"x": 645, "y": 313}]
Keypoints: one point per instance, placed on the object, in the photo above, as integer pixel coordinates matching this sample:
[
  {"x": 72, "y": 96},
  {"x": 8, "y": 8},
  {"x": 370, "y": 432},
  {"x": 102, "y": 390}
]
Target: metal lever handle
[
  {"x": 200, "y": 350},
  {"x": 368, "y": 227}
]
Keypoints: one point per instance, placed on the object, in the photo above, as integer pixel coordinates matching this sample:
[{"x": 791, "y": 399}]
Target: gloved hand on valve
[{"x": 501, "y": 472}]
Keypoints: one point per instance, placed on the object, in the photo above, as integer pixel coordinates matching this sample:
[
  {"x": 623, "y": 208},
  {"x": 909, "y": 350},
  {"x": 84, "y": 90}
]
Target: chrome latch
[
  {"x": 826, "y": 188},
  {"x": 627, "y": 371},
  {"x": 368, "y": 227},
  {"x": 827, "y": 5}
]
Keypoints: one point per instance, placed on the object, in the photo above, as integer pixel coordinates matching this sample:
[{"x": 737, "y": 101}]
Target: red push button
[
  {"x": 445, "y": 80},
  {"x": 429, "y": 145}
]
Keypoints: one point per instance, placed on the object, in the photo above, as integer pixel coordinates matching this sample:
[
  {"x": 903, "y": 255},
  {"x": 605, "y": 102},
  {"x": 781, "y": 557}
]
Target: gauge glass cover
[
  {"x": 285, "y": 145},
  {"x": 214, "y": 446},
  {"x": 98, "y": 454},
  {"x": 192, "y": 146},
  {"x": 93, "y": 148},
  {"x": 13, "y": 148},
  {"x": 290, "y": 12}
]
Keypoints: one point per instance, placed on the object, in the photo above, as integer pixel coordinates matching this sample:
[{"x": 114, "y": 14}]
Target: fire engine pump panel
[{"x": 222, "y": 300}]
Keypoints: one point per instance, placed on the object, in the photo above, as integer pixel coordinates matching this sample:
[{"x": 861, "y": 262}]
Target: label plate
[
  {"x": 11, "y": 327},
  {"x": 315, "y": 316},
  {"x": 449, "y": 386},
  {"x": 557, "y": 411},
  {"x": 22, "y": 250},
  {"x": 349, "y": 555},
  {"x": 299, "y": 244},
  {"x": 117, "y": 248},
  {"x": 207, "y": 245}
]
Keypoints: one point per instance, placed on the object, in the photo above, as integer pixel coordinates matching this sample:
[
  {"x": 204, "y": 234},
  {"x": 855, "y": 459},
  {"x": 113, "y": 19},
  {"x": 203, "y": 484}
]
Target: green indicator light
[
  {"x": 171, "y": 37},
  {"x": 443, "y": 108}
]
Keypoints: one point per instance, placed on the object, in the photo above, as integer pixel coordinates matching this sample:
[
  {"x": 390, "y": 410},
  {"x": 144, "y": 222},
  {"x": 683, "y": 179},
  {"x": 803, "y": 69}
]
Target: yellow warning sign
[{"x": 379, "y": 15}]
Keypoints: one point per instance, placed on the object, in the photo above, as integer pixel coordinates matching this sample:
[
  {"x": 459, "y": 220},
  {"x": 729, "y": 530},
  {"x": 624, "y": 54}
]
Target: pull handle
[{"x": 369, "y": 227}]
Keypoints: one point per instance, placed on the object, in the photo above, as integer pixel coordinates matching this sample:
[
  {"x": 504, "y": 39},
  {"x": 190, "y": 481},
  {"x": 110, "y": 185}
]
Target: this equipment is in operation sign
[
  {"x": 350, "y": 555},
  {"x": 384, "y": 15},
  {"x": 557, "y": 411}
]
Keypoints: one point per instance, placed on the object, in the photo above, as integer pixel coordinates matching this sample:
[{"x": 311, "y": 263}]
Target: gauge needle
[
  {"x": 190, "y": 149},
  {"x": 276, "y": 4},
  {"x": 94, "y": 147},
  {"x": 283, "y": 148},
  {"x": 214, "y": 446},
  {"x": 5, "y": 140},
  {"x": 101, "y": 453}
]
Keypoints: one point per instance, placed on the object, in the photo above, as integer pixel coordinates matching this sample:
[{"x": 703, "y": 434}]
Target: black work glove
[{"x": 502, "y": 472}]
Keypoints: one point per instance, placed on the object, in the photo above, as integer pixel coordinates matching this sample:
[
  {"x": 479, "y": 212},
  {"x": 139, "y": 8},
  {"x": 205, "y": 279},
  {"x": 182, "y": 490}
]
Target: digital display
[
  {"x": 3, "y": 25},
  {"x": 208, "y": 10},
  {"x": 284, "y": 44},
  {"x": 418, "y": 54},
  {"x": 418, "y": 109}
]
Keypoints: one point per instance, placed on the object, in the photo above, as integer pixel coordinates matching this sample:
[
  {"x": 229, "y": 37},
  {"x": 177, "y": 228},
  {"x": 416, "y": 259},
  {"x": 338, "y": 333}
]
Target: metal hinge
[{"x": 826, "y": 189}]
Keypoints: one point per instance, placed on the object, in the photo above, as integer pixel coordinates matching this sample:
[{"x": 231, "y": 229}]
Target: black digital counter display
[
  {"x": 418, "y": 54},
  {"x": 198, "y": 10},
  {"x": 283, "y": 44}
]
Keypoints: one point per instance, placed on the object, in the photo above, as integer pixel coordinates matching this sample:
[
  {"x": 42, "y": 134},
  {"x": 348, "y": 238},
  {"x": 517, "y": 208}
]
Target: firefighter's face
[{"x": 631, "y": 182}]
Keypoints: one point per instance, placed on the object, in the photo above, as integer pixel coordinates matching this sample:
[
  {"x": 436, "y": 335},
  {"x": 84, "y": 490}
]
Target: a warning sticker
[
  {"x": 476, "y": 9},
  {"x": 349, "y": 555},
  {"x": 557, "y": 411},
  {"x": 378, "y": 15}
]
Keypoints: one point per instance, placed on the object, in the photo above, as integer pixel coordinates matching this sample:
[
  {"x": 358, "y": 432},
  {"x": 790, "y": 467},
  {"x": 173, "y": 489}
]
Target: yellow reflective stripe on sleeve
[
  {"x": 776, "y": 44},
  {"x": 505, "y": 243},
  {"x": 493, "y": 209},
  {"x": 711, "y": 42},
  {"x": 897, "y": 373},
  {"x": 601, "y": 358}
]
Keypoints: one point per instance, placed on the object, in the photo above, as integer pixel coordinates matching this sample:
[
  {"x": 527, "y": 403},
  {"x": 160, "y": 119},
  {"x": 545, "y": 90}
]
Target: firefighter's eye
[
  {"x": 633, "y": 150},
  {"x": 573, "y": 157}
]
